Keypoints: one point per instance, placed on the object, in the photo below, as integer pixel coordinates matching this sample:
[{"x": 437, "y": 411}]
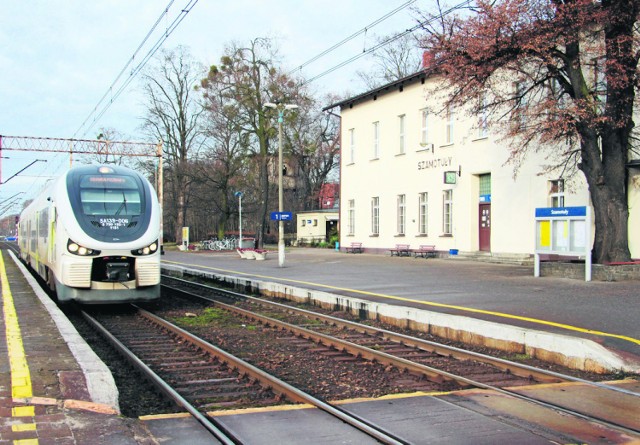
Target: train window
[{"x": 110, "y": 195}]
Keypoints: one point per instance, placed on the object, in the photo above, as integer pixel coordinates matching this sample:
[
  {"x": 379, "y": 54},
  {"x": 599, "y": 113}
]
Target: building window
[
  {"x": 402, "y": 214},
  {"x": 485, "y": 184},
  {"x": 424, "y": 127},
  {"x": 352, "y": 145},
  {"x": 351, "y": 226},
  {"x": 483, "y": 125},
  {"x": 375, "y": 215},
  {"x": 376, "y": 140},
  {"x": 401, "y": 123},
  {"x": 447, "y": 212},
  {"x": 423, "y": 211},
  {"x": 449, "y": 119},
  {"x": 304, "y": 222},
  {"x": 556, "y": 193},
  {"x": 520, "y": 106}
]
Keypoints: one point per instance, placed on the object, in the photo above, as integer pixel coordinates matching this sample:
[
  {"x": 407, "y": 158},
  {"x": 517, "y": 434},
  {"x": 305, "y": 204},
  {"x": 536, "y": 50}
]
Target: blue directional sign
[{"x": 281, "y": 216}]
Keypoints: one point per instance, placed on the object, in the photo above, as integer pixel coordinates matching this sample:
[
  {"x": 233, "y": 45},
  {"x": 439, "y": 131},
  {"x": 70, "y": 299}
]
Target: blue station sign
[
  {"x": 281, "y": 216},
  {"x": 560, "y": 212}
]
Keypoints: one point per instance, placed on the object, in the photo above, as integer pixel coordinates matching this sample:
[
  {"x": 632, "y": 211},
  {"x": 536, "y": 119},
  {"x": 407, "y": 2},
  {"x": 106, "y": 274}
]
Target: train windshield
[{"x": 111, "y": 196}]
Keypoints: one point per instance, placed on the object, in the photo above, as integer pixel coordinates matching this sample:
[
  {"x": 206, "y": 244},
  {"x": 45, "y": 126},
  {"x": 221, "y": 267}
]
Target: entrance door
[{"x": 484, "y": 227}]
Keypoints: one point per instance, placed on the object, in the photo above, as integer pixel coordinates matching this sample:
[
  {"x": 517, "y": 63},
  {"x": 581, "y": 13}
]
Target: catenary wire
[
  {"x": 353, "y": 36},
  {"x": 129, "y": 61},
  {"x": 386, "y": 42},
  {"x": 183, "y": 13}
]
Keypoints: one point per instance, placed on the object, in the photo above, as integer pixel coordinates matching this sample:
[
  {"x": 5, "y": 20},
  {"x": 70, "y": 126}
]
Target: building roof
[
  {"x": 396, "y": 85},
  {"x": 318, "y": 211}
]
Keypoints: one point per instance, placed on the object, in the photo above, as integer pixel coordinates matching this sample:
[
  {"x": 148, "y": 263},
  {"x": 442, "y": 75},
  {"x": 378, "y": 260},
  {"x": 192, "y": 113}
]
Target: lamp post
[
  {"x": 281, "y": 109},
  {"x": 239, "y": 195}
]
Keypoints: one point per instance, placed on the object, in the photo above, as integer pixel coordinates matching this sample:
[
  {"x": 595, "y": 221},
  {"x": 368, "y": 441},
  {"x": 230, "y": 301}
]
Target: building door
[{"x": 485, "y": 227}]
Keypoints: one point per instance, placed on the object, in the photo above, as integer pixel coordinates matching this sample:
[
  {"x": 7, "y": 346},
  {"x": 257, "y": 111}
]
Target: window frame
[
  {"x": 351, "y": 217},
  {"x": 449, "y": 118},
  {"x": 376, "y": 140},
  {"x": 447, "y": 212},
  {"x": 402, "y": 133},
  {"x": 401, "y": 214},
  {"x": 423, "y": 213},
  {"x": 424, "y": 126},
  {"x": 375, "y": 215},
  {"x": 352, "y": 145},
  {"x": 557, "y": 192}
]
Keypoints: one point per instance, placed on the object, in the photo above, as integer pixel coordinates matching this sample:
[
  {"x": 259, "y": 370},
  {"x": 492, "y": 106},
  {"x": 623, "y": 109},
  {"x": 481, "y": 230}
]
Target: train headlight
[
  {"x": 77, "y": 249},
  {"x": 147, "y": 250}
]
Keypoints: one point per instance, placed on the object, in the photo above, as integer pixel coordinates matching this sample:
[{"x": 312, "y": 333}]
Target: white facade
[
  {"x": 316, "y": 225},
  {"x": 395, "y": 153}
]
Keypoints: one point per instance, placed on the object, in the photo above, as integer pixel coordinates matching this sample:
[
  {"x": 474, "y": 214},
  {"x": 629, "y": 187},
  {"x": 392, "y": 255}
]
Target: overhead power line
[
  {"x": 134, "y": 72},
  {"x": 354, "y": 35},
  {"x": 387, "y": 41}
]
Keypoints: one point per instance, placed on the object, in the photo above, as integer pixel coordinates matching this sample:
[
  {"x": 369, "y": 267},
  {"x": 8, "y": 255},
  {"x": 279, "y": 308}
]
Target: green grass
[{"x": 210, "y": 317}]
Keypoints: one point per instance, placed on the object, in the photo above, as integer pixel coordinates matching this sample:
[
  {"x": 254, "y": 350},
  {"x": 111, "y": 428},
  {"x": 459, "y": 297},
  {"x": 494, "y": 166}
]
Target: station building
[{"x": 412, "y": 176}]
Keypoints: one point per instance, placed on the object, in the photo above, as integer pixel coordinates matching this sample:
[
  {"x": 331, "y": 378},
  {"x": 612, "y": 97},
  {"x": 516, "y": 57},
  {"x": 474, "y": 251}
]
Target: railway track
[
  {"x": 435, "y": 362},
  {"x": 200, "y": 377}
]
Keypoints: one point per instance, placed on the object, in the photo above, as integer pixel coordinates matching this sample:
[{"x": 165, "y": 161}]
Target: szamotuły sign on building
[{"x": 563, "y": 231}]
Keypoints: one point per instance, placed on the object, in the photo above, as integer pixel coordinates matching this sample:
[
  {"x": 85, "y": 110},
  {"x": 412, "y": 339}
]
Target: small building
[{"x": 316, "y": 226}]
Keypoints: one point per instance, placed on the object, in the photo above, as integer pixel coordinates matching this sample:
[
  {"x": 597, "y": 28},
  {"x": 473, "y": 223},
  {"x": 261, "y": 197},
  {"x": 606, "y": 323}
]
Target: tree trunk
[
  {"x": 609, "y": 197},
  {"x": 179, "y": 215}
]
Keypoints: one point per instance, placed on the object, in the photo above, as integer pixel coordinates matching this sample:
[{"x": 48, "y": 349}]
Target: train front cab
[
  {"x": 117, "y": 278},
  {"x": 115, "y": 208}
]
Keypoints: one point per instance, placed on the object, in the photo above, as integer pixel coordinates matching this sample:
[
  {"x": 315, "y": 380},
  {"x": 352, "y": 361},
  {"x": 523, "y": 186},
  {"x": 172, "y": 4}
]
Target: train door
[{"x": 52, "y": 234}]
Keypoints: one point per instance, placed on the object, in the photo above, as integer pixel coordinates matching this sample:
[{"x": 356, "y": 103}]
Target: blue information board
[
  {"x": 281, "y": 216},
  {"x": 563, "y": 231}
]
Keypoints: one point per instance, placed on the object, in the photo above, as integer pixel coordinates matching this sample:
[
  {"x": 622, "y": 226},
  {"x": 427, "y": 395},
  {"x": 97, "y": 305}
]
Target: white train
[{"x": 93, "y": 236}]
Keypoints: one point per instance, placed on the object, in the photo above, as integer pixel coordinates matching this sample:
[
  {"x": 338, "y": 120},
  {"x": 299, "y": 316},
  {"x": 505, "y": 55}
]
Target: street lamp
[
  {"x": 281, "y": 109},
  {"x": 239, "y": 195}
]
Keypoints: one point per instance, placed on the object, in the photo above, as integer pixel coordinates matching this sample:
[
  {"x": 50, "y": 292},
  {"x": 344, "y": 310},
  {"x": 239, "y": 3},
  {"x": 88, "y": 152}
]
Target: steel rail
[
  {"x": 274, "y": 383},
  {"x": 519, "y": 369},
  {"x": 460, "y": 379},
  {"x": 211, "y": 425}
]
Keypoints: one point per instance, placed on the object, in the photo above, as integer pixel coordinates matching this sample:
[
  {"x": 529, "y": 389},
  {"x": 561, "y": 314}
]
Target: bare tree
[
  {"x": 399, "y": 58},
  {"x": 313, "y": 149},
  {"x": 247, "y": 79},
  {"x": 173, "y": 116},
  {"x": 223, "y": 167}
]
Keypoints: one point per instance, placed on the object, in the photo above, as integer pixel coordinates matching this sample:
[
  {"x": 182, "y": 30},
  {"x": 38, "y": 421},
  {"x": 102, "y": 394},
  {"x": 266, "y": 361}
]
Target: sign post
[{"x": 563, "y": 231}]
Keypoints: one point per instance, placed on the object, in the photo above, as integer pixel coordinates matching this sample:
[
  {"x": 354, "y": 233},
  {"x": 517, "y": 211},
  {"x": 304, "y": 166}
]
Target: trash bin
[
  {"x": 453, "y": 251},
  {"x": 337, "y": 246}
]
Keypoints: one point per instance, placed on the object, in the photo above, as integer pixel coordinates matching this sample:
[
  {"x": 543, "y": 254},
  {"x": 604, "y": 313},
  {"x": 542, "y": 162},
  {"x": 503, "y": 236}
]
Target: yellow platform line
[
  {"x": 20, "y": 375},
  {"x": 427, "y": 303}
]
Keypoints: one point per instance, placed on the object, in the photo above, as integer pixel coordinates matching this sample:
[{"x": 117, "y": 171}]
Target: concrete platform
[
  {"x": 585, "y": 325},
  {"x": 54, "y": 390}
]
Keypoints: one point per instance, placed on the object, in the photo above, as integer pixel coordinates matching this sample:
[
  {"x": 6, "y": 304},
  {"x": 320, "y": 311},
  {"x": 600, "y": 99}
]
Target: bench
[
  {"x": 355, "y": 248},
  {"x": 401, "y": 250},
  {"x": 425, "y": 251}
]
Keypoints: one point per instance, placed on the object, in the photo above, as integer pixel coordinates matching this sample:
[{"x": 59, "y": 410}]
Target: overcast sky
[{"x": 59, "y": 58}]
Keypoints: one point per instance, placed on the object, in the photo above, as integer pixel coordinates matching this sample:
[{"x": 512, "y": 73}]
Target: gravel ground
[{"x": 323, "y": 378}]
